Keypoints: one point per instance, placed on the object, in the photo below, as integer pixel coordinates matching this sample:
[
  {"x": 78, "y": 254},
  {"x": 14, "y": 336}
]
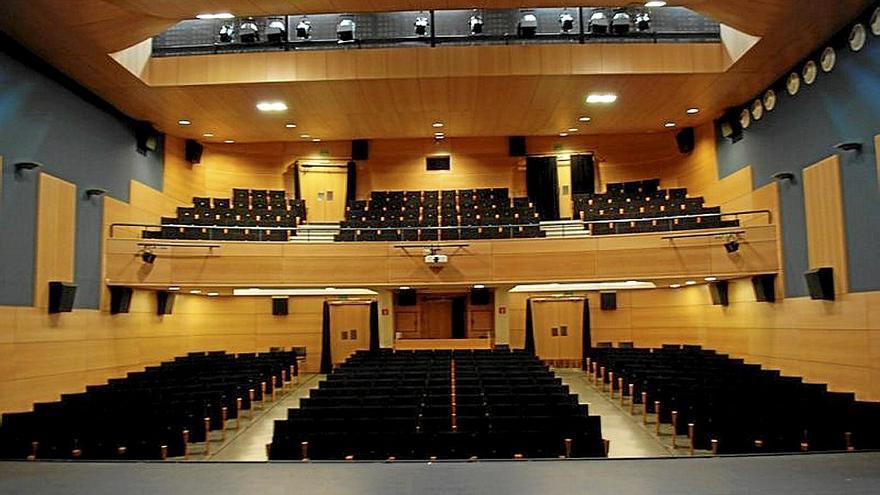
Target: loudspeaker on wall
[
  {"x": 820, "y": 283},
  {"x": 481, "y": 296},
  {"x": 61, "y": 297},
  {"x": 193, "y": 151},
  {"x": 516, "y": 146},
  {"x": 165, "y": 302},
  {"x": 608, "y": 300},
  {"x": 685, "y": 139},
  {"x": 280, "y": 306},
  {"x": 406, "y": 297},
  {"x": 718, "y": 291},
  {"x": 120, "y": 300},
  {"x": 764, "y": 287},
  {"x": 360, "y": 149}
]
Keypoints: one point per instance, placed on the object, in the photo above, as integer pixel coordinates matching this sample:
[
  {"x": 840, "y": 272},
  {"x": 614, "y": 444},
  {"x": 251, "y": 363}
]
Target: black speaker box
[
  {"x": 765, "y": 287},
  {"x": 120, "y": 300},
  {"x": 194, "y": 151},
  {"x": 608, "y": 300},
  {"x": 146, "y": 137},
  {"x": 406, "y": 297},
  {"x": 165, "y": 302},
  {"x": 718, "y": 291},
  {"x": 280, "y": 306},
  {"x": 517, "y": 145},
  {"x": 360, "y": 149},
  {"x": 61, "y": 297},
  {"x": 820, "y": 283},
  {"x": 685, "y": 140},
  {"x": 481, "y": 297}
]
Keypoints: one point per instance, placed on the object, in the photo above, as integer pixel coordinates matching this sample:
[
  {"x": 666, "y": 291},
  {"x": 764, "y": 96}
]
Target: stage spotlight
[
  {"x": 345, "y": 31},
  {"x": 276, "y": 31},
  {"x": 248, "y": 31},
  {"x": 566, "y": 21},
  {"x": 620, "y": 23},
  {"x": 599, "y": 22},
  {"x": 227, "y": 33},
  {"x": 476, "y": 23},
  {"x": 731, "y": 246},
  {"x": 643, "y": 21},
  {"x": 528, "y": 25},
  {"x": 304, "y": 29},
  {"x": 420, "y": 27},
  {"x": 148, "y": 257}
]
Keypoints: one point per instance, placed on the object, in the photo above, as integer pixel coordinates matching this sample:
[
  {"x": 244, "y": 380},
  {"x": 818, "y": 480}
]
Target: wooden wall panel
[
  {"x": 55, "y": 236},
  {"x": 826, "y": 230}
]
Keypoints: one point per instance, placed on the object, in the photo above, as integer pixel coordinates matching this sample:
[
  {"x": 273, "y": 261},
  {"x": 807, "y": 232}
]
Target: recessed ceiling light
[
  {"x": 655, "y": 3},
  {"x": 584, "y": 119},
  {"x": 404, "y": 287},
  {"x": 573, "y": 129},
  {"x": 195, "y": 291},
  {"x": 669, "y": 125},
  {"x": 690, "y": 282},
  {"x": 602, "y": 98},
  {"x": 304, "y": 136},
  {"x": 221, "y": 15},
  {"x": 437, "y": 125},
  {"x": 479, "y": 286},
  {"x": 213, "y": 294},
  {"x": 290, "y": 125},
  {"x": 208, "y": 134},
  {"x": 229, "y": 141},
  {"x": 710, "y": 279},
  {"x": 174, "y": 289},
  {"x": 316, "y": 140},
  {"x": 184, "y": 122},
  {"x": 693, "y": 111},
  {"x": 271, "y": 106},
  {"x": 675, "y": 286}
]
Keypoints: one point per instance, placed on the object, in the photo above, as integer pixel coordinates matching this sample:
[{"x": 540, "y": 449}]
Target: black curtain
[
  {"x": 296, "y": 190},
  {"x": 530, "y": 330},
  {"x": 351, "y": 182},
  {"x": 459, "y": 317},
  {"x": 542, "y": 184},
  {"x": 583, "y": 174},
  {"x": 374, "y": 326},
  {"x": 326, "y": 352},
  {"x": 585, "y": 335}
]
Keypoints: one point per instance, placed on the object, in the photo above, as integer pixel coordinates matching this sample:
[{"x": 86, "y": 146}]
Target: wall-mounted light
[
  {"x": 148, "y": 257},
  {"x": 27, "y": 166},
  {"x": 781, "y": 176},
  {"x": 95, "y": 191},
  {"x": 851, "y": 146}
]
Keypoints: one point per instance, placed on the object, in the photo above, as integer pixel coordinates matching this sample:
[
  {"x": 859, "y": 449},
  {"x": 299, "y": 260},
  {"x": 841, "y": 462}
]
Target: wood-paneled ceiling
[{"x": 77, "y": 37}]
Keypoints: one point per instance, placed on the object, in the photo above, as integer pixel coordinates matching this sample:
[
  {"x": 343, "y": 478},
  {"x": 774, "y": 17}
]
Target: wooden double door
[
  {"x": 558, "y": 328},
  {"x": 349, "y": 329},
  {"x": 324, "y": 189}
]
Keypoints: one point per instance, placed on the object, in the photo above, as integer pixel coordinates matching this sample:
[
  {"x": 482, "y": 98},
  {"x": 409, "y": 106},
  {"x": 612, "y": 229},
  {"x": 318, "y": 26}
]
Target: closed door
[
  {"x": 349, "y": 329},
  {"x": 437, "y": 319},
  {"x": 558, "y": 326},
  {"x": 324, "y": 190}
]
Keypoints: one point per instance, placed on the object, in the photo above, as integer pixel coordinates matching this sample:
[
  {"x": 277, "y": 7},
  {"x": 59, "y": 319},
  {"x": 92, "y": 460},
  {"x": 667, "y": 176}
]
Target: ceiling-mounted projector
[{"x": 436, "y": 259}]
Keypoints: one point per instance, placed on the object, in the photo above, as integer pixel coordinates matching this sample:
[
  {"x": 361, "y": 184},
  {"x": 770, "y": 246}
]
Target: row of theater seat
[
  {"x": 250, "y": 215},
  {"x": 151, "y": 414},
  {"x": 440, "y": 404},
  {"x": 443, "y": 215},
  {"x": 735, "y": 407},
  {"x": 640, "y": 206}
]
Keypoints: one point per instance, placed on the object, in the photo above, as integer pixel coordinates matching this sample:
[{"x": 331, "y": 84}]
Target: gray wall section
[
  {"x": 843, "y": 105},
  {"x": 43, "y": 120}
]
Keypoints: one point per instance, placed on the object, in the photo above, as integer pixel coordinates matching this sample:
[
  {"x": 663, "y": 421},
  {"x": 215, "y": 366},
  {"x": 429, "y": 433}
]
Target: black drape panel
[
  {"x": 585, "y": 335},
  {"x": 542, "y": 184},
  {"x": 374, "y": 326},
  {"x": 530, "y": 330},
  {"x": 459, "y": 318},
  {"x": 351, "y": 184},
  {"x": 296, "y": 189},
  {"x": 583, "y": 174},
  {"x": 326, "y": 352}
]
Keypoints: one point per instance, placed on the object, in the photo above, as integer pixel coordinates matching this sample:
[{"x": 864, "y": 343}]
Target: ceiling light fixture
[
  {"x": 563, "y": 134},
  {"x": 316, "y": 140},
  {"x": 479, "y": 286},
  {"x": 584, "y": 119},
  {"x": 271, "y": 106},
  {"x": 213, "y": 294},
  {"x": 184, "y": 122},
  {"x": 601, "y": 98},
  {"x": 585, "y": 286},
  {"x": 290, "y": 125},
  {"x": 690, "y": 282},
  {"x": 675, "y": 286},
  {"x": 229, "y": 141},
  {"x": 573, "y": 129},
  {"x": 195, "y": 291},
  {"x": 437, "y": 124},
  {"x": 304, "y": 136},
  {"x": 173, "y": 288},
  {"x": 669, "y": 125},
  {"x": 221, "y": 15},
  {"x": 208, "y": 135},
  {"x": 655, "y": 3},
  {"x": 710, "y": 279},
  {"x": 693, "y": 111}
]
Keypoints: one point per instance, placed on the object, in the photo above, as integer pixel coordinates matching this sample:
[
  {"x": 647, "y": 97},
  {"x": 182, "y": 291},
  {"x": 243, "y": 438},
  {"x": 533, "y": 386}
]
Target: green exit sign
[
  {"x": 557, "y": 147},
  {"x": 325, "y": 152}
]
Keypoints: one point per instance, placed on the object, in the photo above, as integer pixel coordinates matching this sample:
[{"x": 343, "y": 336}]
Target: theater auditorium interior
[{"x": 437, "y": 247}]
